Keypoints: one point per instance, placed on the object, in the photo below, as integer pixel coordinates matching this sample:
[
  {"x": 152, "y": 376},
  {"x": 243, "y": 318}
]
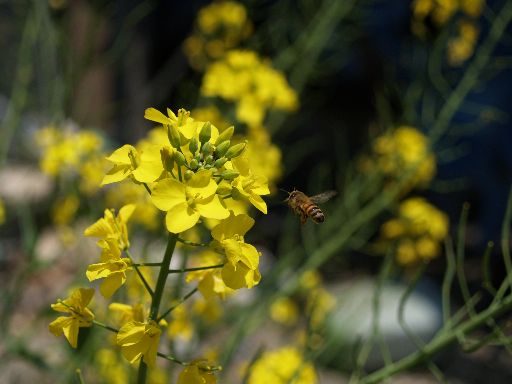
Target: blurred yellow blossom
[
  {"x": 418, "y": 231},
  {"x": 220, "y": 26},
  {"x": 402, "y": 151},
  {"x": 462, "y": 46},
  {"x": 284, "y": 365},
  {"x": 198, "y": 372},
  {"x": 249, "y": 81},
  {"x": 180, "y": 326},
  {"x": 64, "y": 209},
  {"x": 284, "y": 311},
  {"x": 2, "y": 212}
]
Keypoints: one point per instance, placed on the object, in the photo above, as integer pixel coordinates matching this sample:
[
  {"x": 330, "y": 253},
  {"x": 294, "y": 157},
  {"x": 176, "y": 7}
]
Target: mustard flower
[
  {"x": 284, "y": 365},
  {"x": 145, "y": 166},
  {"x": 181, "y": 324},
  {"x": 79, "y": 315},
  {"x": 126, "y": 313},
  {"x": 112, "y": 267},
  {"x": 197, "y": 373},
  {"x": 210, "y": 280},
  {"x": 186, "y": 202},
  {"x": 139, "y": 340},
  {"x": 113, "y": 227},
  {"x": 284, "y": 311},
  {"x": 248, "y": 185},
  {"x": 418, "y": 230},
  {"x": 186, "y": 126}
]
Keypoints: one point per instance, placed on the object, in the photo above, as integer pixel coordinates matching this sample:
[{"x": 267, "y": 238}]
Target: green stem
[
  {"x": 195, "y": 268},
  {"x": 439, "y": 343},
  {"x": 187, "y": 242},
  {"x": 139, "y": 273},
  {"x": 157, "y": 296},
  {"x": 163, "y": 315}
]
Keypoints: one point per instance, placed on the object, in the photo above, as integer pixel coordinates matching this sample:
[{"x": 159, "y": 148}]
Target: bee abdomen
[{"x": 315, "y": 213}]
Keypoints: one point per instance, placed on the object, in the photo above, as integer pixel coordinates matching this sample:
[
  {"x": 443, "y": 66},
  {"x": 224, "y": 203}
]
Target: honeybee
[{"x": 306, "y": 206}]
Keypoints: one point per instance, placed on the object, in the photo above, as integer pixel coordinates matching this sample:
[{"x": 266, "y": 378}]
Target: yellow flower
[
  {"x": 186, "y": 126},
  {"x": 243, "y": 259},
  {"x": 319, "y": 303},
  {"x": 248, "y": 185},
  {"x": 284, "y": 311},
  {"x": 186, "y": 202},
  {"x": 461, "y": 47},
  {"x": 113, "y": 227},
  {"x": 80, "y": 315},
  {"x": 417, "y": 231},
  {"x": 284, "y": 365},
  {"x": 197, "y": 373},
  {"x": 405, "y": 150},
  {"x": 112, "y": 267},
  {"x": 210, "y": 280},
  {"x": 110, "y": 368},
  {"x": 145, "y": 167},
  {"x": 64, "y": 209},
  {"x": 181, "y": 324},
  {"x": 126, "y": 313},
  {"x": 244, "y": 78},
  {"x": 139, "y": 340}
]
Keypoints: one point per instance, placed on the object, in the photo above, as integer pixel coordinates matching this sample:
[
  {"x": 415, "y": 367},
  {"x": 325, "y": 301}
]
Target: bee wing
[{"x": 323, "y": 197}]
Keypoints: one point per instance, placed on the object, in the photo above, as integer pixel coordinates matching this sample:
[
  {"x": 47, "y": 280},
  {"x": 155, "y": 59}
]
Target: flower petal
[
  {"x": 212, "y": 208},
  {"x": 167, "y": 193},
  {"x": 180, "y": 218},
  {"x": 121, "y": 156},
  {"x": 157, "y": 116}
]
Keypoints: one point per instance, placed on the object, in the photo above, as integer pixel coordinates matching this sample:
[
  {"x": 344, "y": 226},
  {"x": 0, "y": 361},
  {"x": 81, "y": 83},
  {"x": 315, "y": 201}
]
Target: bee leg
[{"x": 303, "y": 218}]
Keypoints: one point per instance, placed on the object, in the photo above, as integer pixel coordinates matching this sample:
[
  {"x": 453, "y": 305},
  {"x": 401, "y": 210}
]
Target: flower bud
[
  {"x": 225, "y": 135},
  {"x": 207, "y": 149},
  {"x": 183, "y": 115},
  {"x": 206, "y": 132},
  {"x": 222, "y": 148},
  {"x": 193, "y": 145},
  {"x": 174, "y": 135},
  {"x": 220, "y": 162},
  {"x": 167, "y": 159},
  {"x": 188, "y": 174},
  {"x": 194, "y": 164},
  {"x": 179, "y": 158},
  {"x": 209, "y": 159},
  {"x": 235, "y": 150},
  {"x": 229, "y": 174}
]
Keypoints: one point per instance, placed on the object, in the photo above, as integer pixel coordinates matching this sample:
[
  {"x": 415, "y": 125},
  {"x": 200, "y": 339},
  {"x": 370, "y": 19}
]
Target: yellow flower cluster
[
  {"x": 284, "y": 365},
  {"x": 70, "y": 153},
  {"x": 249, "y": 81},
  {"x": 220, "y": 26},
  {"x": 460, "y": 47},
  {"x": 417, "y": 231},
  {"x": 401, "y": 151}
]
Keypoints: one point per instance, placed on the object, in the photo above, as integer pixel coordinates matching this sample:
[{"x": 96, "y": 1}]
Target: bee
[{"x": 306, "y": 206}]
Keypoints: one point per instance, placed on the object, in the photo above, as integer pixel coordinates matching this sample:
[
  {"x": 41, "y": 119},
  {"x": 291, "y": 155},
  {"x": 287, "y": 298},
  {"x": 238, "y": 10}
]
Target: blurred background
[{"x": 400, "y": 107}]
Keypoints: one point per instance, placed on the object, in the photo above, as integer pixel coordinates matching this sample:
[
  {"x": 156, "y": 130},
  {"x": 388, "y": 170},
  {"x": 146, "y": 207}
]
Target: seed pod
[
  {"x": 206, "y": 132},
  {"x": 179, "y": 158},
  {"x": 229, "y": 174},
  {"x": 174, "y": 135},
  {"x": 193, "y": 145},
  {"x": 225, "y": 135},
  {"x": 235, "y": 150},
  {"x": 222, "y": 148},
  {"x": 220, "y": 162}
]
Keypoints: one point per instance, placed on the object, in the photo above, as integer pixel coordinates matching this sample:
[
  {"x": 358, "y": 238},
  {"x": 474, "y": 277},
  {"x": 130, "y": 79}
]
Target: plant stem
[
  {"x": 439, "y": 343},
  {"x": 157, "y": 295},
  {"x": 195, "y": 268}
]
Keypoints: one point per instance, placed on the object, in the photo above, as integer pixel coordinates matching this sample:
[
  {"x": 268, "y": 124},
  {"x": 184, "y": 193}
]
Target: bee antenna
[{"x": 284, "y": 190}]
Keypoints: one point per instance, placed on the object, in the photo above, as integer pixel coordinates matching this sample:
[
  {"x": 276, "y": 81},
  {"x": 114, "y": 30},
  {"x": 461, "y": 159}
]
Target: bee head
[{"x": 291, "y": 194}]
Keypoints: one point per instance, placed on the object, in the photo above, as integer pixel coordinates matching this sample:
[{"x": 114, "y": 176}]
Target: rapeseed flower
[
  {"x": 248, "y": 185},
  {"x": 187, "y": 202},
  {"x": 112, "y": 267},
  {"x": 284, "y": 365},
  {"x": 210, "y": 280},
  {"x": 113, "y": 227},
  {"x": 418, "y": 230},
  {"x": 79, "y": 315},
  {"x": 139, "y": 340},
  {"x": 197, "y": 373}
]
